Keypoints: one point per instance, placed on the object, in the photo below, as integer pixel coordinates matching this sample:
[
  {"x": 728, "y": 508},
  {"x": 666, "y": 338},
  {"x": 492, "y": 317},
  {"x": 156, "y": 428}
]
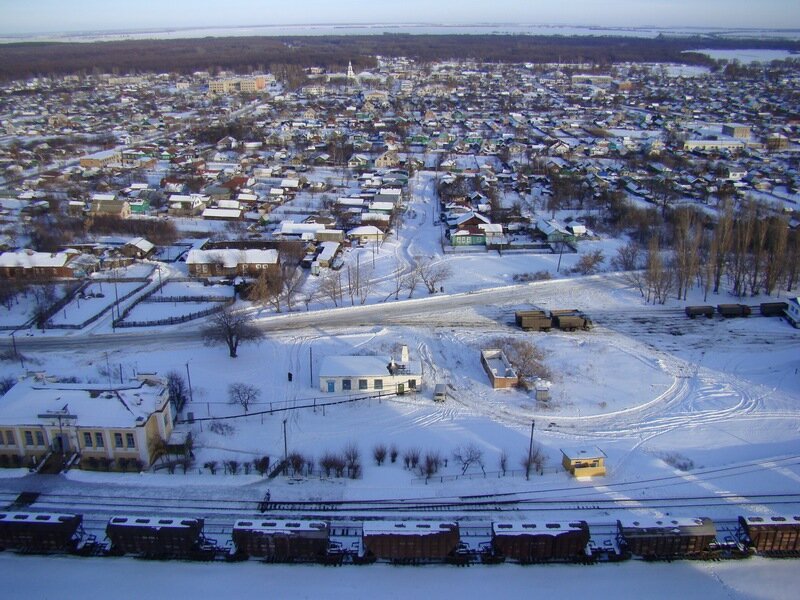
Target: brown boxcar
[
  {"x": 772, "y": 534},
  {"x": 774, "y": 309},
  {"x": 663, "y": 538},
  {"x": 281, "y": 541},
  {"x": 39, "y": 532},
  {"x": 533, "y": 320},
  {"x": 733, "y": 310},
  {"x": 536, "y": 542},
  {"x": 154, "y": 536},
  {"x": 570, "y": 320},
  {"x": 699, "y": 311},
  {"x": 407, "y": 541}
]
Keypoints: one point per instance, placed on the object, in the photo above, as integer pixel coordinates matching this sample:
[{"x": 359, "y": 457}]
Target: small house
[
  {"x": 584, "y": 462},
  {"x": 498, "y": 368},
  {"x": 370, "y": 374}
]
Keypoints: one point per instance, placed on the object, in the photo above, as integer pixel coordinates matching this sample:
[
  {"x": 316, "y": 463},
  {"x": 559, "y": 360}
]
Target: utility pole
[
  {"x": 560, "y": 253},
  {"x": 530, "y": 454},
  {"x": 311, "y": 365},
  {"x": 285, "y": 448},
  {"x": 189, "y": 378}
]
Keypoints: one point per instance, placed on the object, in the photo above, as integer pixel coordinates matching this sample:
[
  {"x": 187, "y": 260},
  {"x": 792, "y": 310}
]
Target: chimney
[{"x": 404, "y": 354}]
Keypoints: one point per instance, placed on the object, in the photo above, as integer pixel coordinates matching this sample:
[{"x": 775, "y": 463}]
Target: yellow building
[
  {"x": 93, "y": 425},
  {"x": 584, "y": 462}
]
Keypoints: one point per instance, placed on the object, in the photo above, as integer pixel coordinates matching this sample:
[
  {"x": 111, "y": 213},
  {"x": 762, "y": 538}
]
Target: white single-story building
[{"x": 370, "y": 374}]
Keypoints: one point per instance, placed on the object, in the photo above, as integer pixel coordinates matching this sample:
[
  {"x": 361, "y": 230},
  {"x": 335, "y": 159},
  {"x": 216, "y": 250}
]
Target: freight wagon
[
  {"x": 699, "y": 311},
  {"x": 533, "y": 320},
  {"x": 410, "y": 542},
  {"x": 540, "y": 542},
  {"x": 666, "y": 538},
  {"x": 281, "y": 541},
  {"x": 40, "y": 532},
  {"x": 730, "y": 311},
  {"x": 159, "y": 537},
  {"x": 777, "y": 535}
]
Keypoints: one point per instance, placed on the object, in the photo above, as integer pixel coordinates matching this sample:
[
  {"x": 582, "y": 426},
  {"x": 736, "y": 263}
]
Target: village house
[
  {"x": 229, "y": 262},
  {"x": 365, "y": 374},
  {"x": 584, "y": 462},
  {"x": 498, "y": 368},
  {"x": 95, "y": 422},
  {"x": 27, "y": 264}
]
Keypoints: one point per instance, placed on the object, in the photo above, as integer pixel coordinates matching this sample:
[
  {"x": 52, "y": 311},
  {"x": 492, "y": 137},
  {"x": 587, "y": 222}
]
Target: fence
[
  {"x": 96, "y": 316},
  {"x": 482, "y": 475}
]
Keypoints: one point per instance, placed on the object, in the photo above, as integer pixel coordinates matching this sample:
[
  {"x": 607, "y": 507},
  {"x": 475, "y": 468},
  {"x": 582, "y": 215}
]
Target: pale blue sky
[{"x": 33, "y": 16}]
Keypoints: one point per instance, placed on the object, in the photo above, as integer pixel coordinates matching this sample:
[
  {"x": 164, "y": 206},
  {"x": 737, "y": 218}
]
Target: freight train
[{"x": 402, "y": 542}]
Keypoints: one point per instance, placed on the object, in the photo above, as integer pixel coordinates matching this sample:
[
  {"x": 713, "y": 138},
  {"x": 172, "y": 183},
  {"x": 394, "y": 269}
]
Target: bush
[
  {"x": 379, "y": 454},
  {"x": 232, "y": 466},
  {"x": 222, "y": 428},
  {"x": 211, "y": 466},
  {"x": 393, "y": 452},
  {"x": 261, "y": 465}
]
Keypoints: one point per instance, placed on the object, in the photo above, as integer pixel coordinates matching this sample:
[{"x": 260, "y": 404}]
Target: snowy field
[{"x": 132, "y": 579}]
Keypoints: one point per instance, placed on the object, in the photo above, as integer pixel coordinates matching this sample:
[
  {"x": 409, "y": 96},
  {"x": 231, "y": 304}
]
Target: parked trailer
[
  {"x": 730, "y": 311},
  {"x": 538, "y": 542},
  {"x": 282, "y": 541},
  {"x": 570, "y": 320},
  {"x": 699, "y": 311},
  {"x": 666, "y": 538},
  {"x": 774, "y": 309},
  {"x": 410, "y": 542},
  {"x": 772, "y": 535},
  {"x": 156, "y": 537},
  {"x": 40, "y": 532},
  {"x": 533, "y": 320}
]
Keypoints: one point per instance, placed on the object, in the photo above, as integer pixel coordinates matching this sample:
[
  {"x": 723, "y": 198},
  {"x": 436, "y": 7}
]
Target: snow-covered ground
[
  {"x": 682, "y": 408},
  {"x": 132, "y": 579}
]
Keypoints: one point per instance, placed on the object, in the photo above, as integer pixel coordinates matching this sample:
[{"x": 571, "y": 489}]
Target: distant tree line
[{"x": 286, "y": 54}]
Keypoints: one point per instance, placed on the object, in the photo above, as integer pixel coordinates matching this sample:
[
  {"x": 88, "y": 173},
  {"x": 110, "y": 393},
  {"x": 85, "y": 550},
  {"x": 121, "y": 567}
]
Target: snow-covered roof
[
  {"x": 655, "y": 523},
  {"x": 364, "y": 366},
  {"x": 231, "y": 257},
  {"x": 365, "y": 230},
  {"x": 222, "y": 213},
  {"x": 523, "y": 528},
  {"x": 774, "y": 520},
  {"x": 86, "y": 405},
  {"x": 582, "y": 453},
  {"x": 29, "y": 259},
  {"x": 156, "y": 522},
  {"x": 142, "y": 244},
  {"x": 284, "y": 527},
  {"x": 406, "y": 528},
  {"x": 292, "y": 228}
]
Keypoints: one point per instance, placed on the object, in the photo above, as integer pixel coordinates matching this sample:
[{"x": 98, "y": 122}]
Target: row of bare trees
[{"x": 749, "y": 251}]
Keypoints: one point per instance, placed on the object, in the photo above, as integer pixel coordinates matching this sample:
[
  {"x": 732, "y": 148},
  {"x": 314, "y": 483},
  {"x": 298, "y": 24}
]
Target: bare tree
[
  {"x": 352, "y": 459},
  {"x": 411, "y": 281},
  {"x": 430, "y": 464},
  {"x": 243, "y": 394},
  {"x": 526, "y": 358},
  {"x": 397, "y": 280},
  {"x": 503, "y": 462},
  {"x": 534, "y": 459},
  {"x": 467, "y": 456},
  {"x": 176, "y": 385},
  {"x": 432, "y": 274},
  {"x": 331, "y": 287},
  {"x": 777, "y": 257},
  {"x": 379, "y": 453},
  {"x": 628, "y": 257},
  {"x": 232, "y": 328},
  {"x": 589, "y": 263}
]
